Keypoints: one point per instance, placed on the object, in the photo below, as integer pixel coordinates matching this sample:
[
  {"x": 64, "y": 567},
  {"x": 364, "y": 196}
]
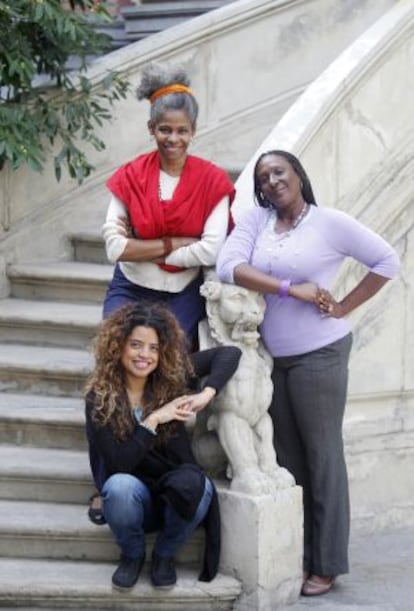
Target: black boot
[
  {"x": 127, "y": 573},
  {"x": 163, "y": 573}
]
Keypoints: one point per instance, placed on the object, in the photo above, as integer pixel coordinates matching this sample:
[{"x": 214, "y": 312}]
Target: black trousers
[{"x": 307, "y": 410}]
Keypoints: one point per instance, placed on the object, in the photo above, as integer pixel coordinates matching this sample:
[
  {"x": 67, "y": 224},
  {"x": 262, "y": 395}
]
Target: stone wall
[
  {"x": 354, "y": 131},
  {"x": 250, "y": 60}
]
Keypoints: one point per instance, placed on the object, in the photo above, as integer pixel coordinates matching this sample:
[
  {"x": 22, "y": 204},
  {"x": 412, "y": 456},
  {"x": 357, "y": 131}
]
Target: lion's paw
[
  {"x": 282, "y": 478},
  {"x": 252, "y": 481}
]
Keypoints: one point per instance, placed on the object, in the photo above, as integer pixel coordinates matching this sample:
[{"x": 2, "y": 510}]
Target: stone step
[
  {"x": 44, "y": 474},
  {"x": 43, "y": 508},
  {"x": 63, "y": 281},
  {"x": 30, "y": 583},
  {"x": 48, "y": 322},
  {"x": 42, "y": 421},
  {"x": 53, "y": 530},
  {"x": 63, "y": 531},
  {"x": 44, "y": 370},
  {"x": 116, "y": 31},
  {"x": 182, "y": 10},
  {"x": 146, "y": 19},
  {"x": 172, "y": 7},
  {"x": 89, "y": 248},
  {"x": 160, "y": 3}
]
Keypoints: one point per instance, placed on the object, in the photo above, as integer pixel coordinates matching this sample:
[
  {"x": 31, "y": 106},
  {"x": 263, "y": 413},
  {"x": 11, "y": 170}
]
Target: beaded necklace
[
  {"x": 279, "y": 241},
  {"x": 298, "y": 219},
  {"x": 165, "y": 187}
]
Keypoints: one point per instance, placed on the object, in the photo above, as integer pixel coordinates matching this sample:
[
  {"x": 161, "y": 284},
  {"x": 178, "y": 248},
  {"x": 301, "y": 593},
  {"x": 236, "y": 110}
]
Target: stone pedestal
[{"x": 262, "y": 545}]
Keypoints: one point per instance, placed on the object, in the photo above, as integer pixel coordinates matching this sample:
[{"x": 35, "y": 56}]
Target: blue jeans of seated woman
[{"x": 130, "y": 513}]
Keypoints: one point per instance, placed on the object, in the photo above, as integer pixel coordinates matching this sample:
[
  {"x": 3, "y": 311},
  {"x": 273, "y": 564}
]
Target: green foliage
[{"x": 41, "y": 102}]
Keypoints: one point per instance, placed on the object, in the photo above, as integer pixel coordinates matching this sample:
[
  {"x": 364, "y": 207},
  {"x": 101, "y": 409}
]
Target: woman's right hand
[
  {"x": 124, "y": 227},
  {"x": 177, "y": 409},
  {"x": 307, "y": 291}
]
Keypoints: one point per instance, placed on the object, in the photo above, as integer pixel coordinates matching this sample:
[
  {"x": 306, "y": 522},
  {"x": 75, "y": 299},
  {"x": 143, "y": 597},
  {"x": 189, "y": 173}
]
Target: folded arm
[
  {"x": 122, "y": 245},
  {"x": 215, "y": 366},
  {"x": 205, "y": 250}
]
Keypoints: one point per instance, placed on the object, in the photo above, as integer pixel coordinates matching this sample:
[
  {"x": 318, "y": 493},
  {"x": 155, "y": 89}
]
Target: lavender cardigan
[{"x": 313, "y": 252}]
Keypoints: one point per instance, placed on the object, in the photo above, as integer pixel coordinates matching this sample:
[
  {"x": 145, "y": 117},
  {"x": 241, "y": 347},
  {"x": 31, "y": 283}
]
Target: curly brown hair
[{"x": 168, "y": 381}]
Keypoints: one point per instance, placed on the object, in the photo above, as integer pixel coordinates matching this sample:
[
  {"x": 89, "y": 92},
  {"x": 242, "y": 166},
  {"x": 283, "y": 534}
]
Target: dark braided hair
[{"x": 306, "y": 187}]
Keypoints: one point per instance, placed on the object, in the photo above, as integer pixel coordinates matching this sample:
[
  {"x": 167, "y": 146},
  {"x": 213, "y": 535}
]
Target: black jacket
[{"x": 170, "y": 469}]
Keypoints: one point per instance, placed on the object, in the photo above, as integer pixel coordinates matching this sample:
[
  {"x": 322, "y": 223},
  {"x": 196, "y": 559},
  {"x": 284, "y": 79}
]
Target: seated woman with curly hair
[{"x": 138, "y": 400}]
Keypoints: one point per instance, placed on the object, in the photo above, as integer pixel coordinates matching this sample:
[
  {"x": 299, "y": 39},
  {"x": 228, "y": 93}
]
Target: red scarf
[{"x": 201, "y": 187}]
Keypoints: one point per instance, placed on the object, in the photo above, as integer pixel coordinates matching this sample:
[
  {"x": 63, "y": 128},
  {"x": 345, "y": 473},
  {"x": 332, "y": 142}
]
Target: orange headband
[{"x": 175, "y": 88}]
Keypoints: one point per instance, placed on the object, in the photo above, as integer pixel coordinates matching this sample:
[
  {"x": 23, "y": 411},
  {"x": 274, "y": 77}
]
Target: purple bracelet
[{"x": 284, "y": 288}]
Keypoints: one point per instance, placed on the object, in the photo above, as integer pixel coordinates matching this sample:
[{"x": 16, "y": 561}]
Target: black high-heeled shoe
[{"x": 95, "y": 514}]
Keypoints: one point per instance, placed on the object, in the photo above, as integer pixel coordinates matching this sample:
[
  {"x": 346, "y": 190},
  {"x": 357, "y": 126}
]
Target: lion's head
[{"x": 234, "y": 313}]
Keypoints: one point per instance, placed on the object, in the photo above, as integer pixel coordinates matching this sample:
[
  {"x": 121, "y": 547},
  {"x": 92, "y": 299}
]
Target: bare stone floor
[{"x": 381, "y": 577}]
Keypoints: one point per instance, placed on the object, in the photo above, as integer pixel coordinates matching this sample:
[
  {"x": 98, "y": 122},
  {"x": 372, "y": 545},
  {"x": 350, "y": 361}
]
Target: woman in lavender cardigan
[{"x": 290, "y": 249}]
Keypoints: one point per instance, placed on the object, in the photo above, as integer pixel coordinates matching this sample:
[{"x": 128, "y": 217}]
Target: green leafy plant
[{"x": 43, "y": 104}]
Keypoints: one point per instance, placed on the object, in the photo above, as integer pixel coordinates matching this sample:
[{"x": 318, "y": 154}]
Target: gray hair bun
[{"x": 155, "y": 76}]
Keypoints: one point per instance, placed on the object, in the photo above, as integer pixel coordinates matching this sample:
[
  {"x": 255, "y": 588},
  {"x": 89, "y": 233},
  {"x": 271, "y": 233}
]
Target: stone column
[
  {"x": 262, "y": 545},
  {"x": 261, "y": 506}
]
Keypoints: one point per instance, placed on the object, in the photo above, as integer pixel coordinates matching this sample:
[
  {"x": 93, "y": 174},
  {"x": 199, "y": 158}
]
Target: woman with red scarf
[{"x": 169, "y": 212}]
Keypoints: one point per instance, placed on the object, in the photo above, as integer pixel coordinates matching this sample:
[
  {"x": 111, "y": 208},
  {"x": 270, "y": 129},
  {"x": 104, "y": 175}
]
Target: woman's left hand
[{"x": 328, "y": 306}]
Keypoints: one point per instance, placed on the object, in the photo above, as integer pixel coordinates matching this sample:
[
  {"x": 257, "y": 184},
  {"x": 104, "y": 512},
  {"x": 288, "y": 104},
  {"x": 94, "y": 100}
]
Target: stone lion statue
[{"x": 239, "y": 413}]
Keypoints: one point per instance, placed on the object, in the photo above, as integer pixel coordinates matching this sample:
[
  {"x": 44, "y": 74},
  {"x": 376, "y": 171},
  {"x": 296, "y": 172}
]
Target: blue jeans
[{"x": 130, "y": 512}]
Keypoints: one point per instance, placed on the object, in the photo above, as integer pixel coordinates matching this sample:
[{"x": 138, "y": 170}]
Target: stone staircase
[
  {"x": 51, "y": 556},
  {"x": 147, "y": 17}
]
